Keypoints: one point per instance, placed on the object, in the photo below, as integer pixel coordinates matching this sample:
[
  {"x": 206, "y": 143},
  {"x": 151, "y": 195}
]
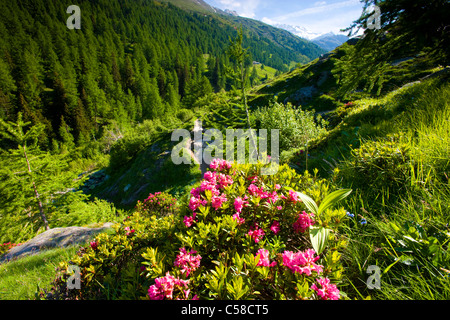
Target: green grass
[
  {"x": 269, "y": 71},
  {"x": 150, "y": 171},
  {"x": 407, "y": 234},
  {"x": 20, "y": 279}
]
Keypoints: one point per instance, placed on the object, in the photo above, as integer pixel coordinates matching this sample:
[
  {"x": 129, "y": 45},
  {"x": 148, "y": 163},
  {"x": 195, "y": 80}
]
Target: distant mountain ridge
[
  {"x": 302, "y": 32},
  {"x": 327, "y": 41},
  {"x": 330, "y": 41},
  {"x": 302, "y": 48}
]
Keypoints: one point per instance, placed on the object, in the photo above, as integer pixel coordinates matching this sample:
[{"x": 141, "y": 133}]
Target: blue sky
[{"x": 320, "y": 16}]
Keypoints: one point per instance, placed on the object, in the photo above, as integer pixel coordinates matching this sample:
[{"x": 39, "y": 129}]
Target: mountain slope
[
  {"x": 192, "y": 5},
  {"x": 286, "y": 44},
  {"x": 330, "y": 41},
  {"x": 315, "y": 84}
]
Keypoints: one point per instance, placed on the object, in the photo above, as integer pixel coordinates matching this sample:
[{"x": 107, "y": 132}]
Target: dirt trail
[{"x": 197, "y": 146}]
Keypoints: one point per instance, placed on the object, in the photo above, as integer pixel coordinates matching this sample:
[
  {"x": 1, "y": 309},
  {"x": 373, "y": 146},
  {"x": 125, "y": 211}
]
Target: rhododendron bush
[{"x": 241, "y": 235}]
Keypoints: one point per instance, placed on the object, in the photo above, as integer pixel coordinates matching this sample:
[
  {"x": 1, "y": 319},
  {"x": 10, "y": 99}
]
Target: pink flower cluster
[
  {"x": 157, "y": 203},
  {"x": 237, "y": 217},
  {"x": 256, "y": 233},
  {"x": 275, "y": 227},
  {"x": 293, "y": 196},
  {"x": 94, "y": 245},
  {"x": 8, "y": 245},
  {"x": 272, "y": 197},
  {"x": 213, "y": 181},
  {"x": 303, "y": 222},
  {"x": 264, "y": 258},
  {"x": 187, "y": 261},
  {"x": 239, "y": 203},
  {"x": 189, "y": 221},
  {"x": 129, "y": 231},
  {"x": 327, "y": 290},
  {"x": 165, "y": 286},
  {"x": 151, "y": 196},
  {"x": 220, "y": 165},
  {"x": 302, "y": 262}
]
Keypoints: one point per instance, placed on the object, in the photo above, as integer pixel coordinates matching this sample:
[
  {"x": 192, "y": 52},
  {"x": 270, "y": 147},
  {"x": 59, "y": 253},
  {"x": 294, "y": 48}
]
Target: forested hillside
[{"x": 130, "y": 61}]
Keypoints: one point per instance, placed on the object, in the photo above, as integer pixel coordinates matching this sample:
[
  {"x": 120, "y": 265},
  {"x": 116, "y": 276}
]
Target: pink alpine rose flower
[
  {"x": 238, "y": 218},
  {"x": 302, "y": 262},
  {"x": 254, "y": 191},
  {"x": 239, "y": 204},
  {"x": 220, "y": 164},
  {"x": 217, "y": 201},
  {"x": 188, "y": 221},
  {"x": 273, "y": 197},
  {"x": 327, "y": 290},
  {"x": 94, "y": 245},
  {"x": 187, "y": 261},
  {"x": 164, "y": 286},
  {"x": 275, "y": 227},
  {"x": 303, "y": 222},
  {"x": 127, "y": 229},
  {"x": 293, "y": 196},
  {"x": 210, "y": 177},
  {"x": 224, "y": 181},
  {"x": 256, "y": 233},
  {"x": 264, "y": 258}
]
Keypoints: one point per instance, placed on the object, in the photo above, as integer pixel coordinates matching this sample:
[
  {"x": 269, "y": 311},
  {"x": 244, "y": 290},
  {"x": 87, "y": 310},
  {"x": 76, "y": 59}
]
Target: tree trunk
[
  {"x": 36, "y": 193},
  {"x": 244, "y": 97}
]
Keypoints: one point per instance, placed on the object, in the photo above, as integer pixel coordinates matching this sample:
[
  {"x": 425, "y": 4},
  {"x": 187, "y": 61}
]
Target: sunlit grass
[{"x": 20, "y": 279}]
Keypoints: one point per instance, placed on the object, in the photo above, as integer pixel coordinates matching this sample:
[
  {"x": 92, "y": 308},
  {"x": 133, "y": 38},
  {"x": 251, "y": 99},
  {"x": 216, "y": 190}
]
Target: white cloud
[
  {"x": 245, "y": 8},
  {"x": 334, "y": 24},
  {"x": 320, "y": 3},
  {"x": 268, "y": 20},
  {"x": 318, "y": 9}
]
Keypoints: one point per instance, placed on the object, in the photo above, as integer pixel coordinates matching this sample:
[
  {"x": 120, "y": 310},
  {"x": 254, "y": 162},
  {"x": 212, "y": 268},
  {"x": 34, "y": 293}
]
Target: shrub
[
  {"x": 377, "y": 165},
  {"x": 110, "y": 265},
  {"x": 185, "y": 115},
  {"x": 325, "y": 103},
  {"x": 74, "y": 209},
  {"x": 296, "y": 126},
  {"x": 160, "y": 203},
  {"x": 243, "y": 236},
  {"x": 125, "y": 149}
]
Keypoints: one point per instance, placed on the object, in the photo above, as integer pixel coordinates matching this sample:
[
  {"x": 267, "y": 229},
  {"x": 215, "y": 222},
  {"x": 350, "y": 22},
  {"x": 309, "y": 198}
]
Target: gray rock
[{"x": 53, "y": 238}]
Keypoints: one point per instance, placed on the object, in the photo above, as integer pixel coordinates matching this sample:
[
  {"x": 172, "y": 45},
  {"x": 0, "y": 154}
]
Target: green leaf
[
  {"x": 309, "y": 203},
  {"x": 333, "y": 198},
  {"x": 319, "y": 238}
]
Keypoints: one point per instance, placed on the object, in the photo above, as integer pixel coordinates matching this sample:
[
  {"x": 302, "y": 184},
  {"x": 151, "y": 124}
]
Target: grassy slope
[
  {"x": 152, "y": 170},
  {"x": 415, "y": 107},
  {"x": 318, "y": 74},
  {"x": 20, "y": 279},
  {"x": 407, "y": 228}
]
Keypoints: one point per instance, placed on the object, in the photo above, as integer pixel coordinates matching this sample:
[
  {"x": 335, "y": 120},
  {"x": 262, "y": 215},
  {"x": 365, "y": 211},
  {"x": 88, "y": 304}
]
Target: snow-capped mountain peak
[{"x": 302, "y": 32}]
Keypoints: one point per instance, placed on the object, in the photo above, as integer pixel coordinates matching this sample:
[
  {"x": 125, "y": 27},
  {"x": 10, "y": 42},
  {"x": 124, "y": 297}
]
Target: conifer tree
[
  {"x": 239, "y": 54},
  {"x": 152, "y": 106},
  {"x": 29, "y": 176}
]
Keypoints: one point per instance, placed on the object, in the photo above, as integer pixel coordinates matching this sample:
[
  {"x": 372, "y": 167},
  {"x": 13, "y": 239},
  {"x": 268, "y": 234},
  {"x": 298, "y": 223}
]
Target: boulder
[{"x": 53, "y": 238}]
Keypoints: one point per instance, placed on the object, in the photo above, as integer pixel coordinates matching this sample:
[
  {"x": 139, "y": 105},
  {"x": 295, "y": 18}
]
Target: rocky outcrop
[{"x": 53, "y": 238}]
